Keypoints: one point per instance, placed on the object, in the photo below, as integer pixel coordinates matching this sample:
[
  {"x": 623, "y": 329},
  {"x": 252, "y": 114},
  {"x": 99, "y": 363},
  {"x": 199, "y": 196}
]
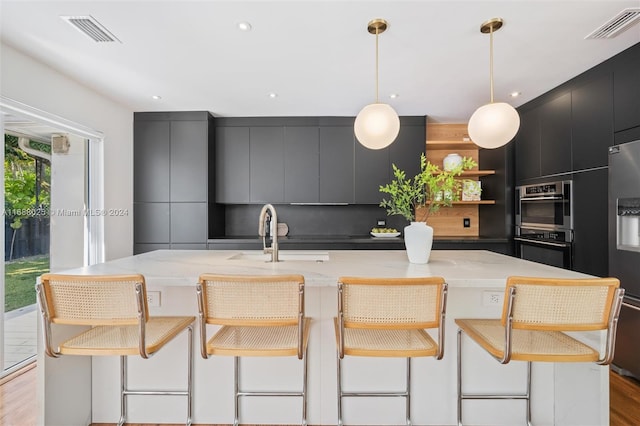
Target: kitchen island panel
[{"x": 470, "y": 274}]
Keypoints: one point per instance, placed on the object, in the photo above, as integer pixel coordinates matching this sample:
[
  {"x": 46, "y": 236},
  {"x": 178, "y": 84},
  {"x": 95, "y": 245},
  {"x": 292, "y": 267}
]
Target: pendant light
[
  {"x": 377, "y": 125},
  {"x": 496, "y": 123}
]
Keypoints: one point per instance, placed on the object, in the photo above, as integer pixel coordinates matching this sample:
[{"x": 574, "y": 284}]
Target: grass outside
[{"x": 20, "y": 280}]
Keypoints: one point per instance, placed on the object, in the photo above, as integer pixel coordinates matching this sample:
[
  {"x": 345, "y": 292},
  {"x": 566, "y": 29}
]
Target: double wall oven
[{"x": 544, "y": 223}]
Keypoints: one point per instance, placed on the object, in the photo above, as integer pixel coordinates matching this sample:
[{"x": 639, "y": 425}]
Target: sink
[{"x": 284, "y": 256}]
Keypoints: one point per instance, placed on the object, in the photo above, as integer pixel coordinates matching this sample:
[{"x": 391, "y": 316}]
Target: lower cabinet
[{"x": 590, "y": 192}]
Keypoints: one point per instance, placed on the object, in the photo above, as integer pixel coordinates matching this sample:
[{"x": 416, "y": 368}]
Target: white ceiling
[{"x": 316, "y": 55}]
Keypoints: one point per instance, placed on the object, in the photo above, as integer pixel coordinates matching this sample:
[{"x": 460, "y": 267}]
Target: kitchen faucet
[{"x": 268, "y": 223}]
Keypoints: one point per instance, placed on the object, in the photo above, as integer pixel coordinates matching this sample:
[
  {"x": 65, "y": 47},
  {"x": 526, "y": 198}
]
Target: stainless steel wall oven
[{"x": 544, "y": 223}]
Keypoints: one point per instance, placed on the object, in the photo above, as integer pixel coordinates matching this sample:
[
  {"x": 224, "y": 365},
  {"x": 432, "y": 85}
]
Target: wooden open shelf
[
  {"x": 473, "y": 202},
  {"x": 477, "y": 173},
  {"x": 451, "y": 145}
]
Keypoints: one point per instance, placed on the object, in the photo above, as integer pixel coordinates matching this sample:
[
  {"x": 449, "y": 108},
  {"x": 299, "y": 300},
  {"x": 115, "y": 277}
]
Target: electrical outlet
[
  {"x": 466, "y": 222},
  {"x": 153, "y": 299},
  {"x": 382, "y": 223},
  {"x": 492, "y": 298}
]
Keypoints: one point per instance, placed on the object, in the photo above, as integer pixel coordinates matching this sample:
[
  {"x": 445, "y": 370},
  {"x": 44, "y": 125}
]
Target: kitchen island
[{"x": 78, "y": 391}]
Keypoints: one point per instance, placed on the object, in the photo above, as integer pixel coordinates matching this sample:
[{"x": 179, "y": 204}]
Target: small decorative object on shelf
[
  {"x": 451, "y": 161},
  {"x": 471, "y": 190}
]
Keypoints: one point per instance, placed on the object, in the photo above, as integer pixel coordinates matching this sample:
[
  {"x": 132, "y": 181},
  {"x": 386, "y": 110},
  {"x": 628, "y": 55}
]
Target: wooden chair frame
[
  {"x": 514, "y": 318},
  {"x": 233, "y": 320},
  {"x": 378, "y": 322},
  {"x": 66, "y": 309}
]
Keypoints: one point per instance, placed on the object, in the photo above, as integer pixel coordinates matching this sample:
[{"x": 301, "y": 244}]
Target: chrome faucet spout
[{"x": 268, "y": 209}]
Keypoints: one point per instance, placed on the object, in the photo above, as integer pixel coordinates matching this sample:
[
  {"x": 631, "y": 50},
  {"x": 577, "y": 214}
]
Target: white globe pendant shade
[
  {"x": 377, "y": 126},
  {"x": 493, "y": 125}
]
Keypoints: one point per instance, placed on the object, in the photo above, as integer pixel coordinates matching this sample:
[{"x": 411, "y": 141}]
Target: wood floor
[{"x": 18, "y": 399}]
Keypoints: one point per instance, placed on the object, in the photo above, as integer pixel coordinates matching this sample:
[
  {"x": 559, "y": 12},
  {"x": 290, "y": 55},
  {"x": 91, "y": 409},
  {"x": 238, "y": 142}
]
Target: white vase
[
  {"x": 418, "y": 239},
  {"x": 451, "y": 161}
]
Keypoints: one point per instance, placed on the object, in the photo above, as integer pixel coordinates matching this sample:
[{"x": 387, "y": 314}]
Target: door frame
[{"x": 94, "y": 184}]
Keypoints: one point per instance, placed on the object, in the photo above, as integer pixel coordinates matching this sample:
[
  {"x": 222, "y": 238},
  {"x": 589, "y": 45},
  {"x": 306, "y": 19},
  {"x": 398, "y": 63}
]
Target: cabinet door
[
  {"x": 267, "y": 164},
  {"x": 301, "y": 164},
  {"x": 189, "y": 223},
  {"x": 590, "y": 192},
  {"x": 528, "y": 146},
  {"x": 189, "y": 160},
  {"x": 151, "y": 154},
  {"x": 626, "y": 93},
  {"x": 371, "y": 171},
  {"x": 232, "y": 165},
  {"x": 592, "y": 123},
  {"x": 336, "y": 164},
  {"x": 555, "y": 136},
  {"x": 151, "y": 222},
  {"x": 405, "y": 151}
]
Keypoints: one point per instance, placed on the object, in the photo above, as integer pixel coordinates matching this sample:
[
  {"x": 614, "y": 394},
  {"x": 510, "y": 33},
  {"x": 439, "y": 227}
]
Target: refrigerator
[{"x": 624, "y": 250}]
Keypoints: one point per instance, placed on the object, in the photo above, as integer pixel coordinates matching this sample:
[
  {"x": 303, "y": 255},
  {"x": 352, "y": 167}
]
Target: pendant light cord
[
  {"x": 377, "y": 29},
  {"x": 491, "y": 61}
]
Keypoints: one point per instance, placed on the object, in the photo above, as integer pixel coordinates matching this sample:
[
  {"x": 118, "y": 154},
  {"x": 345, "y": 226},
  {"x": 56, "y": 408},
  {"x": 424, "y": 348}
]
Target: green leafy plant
[{"x": 431, "y": 188}]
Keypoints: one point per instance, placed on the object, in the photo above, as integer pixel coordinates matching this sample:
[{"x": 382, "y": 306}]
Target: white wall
[{"x": 26, "y": 80}]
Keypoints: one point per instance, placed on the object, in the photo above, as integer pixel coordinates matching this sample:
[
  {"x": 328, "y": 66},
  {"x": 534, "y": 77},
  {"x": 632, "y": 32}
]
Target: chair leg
[
  {"x": 529, "y": 393},
  {"x": 339, "y": 369},
  {"x": 123, "y": 388},
  {"x": 236, "y": 396},
  {"x": 304, "y": 387},
  {"x": 408, "y": 392},
  {"x": 189, "y": 375},
  {"x": 459, "y": 376}
]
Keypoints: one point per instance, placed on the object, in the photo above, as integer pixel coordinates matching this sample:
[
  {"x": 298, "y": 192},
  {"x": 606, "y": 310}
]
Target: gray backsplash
[{"x": 308, "y": 220}]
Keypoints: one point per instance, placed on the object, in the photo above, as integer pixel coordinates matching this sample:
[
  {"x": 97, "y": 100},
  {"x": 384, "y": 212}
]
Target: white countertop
[{"x": 461, "y": 268}]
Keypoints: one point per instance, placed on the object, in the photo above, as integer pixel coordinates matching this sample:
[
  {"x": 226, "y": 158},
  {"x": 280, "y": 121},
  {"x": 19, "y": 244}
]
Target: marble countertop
[{"x": 460, "y": 268}]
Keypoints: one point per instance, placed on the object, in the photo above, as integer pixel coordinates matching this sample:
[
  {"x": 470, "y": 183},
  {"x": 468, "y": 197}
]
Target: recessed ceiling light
[
  {"x": 393, "y": 95},
  {"x": 515, "y": 94},
  {"x": 156, "y": 97},
  {"x": 273, "y": 95},
  {"x": 244, "y": 26}
]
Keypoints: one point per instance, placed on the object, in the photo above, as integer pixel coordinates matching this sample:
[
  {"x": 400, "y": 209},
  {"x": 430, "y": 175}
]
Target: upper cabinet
[
  {"x": 302, "y": 160},
  {"x": 555, "y": 135},
  {"x": 626, "y": 90},
  {"x": 592, "y": 122},
  {"x": 301, "y": 164},
  {"x": 336, "y": 164},
  {"x": 527, "y": 145}
]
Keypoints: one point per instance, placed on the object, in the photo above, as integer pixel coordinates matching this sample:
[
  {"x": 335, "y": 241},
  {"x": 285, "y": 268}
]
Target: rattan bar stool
[
  {"x": 535, "y": 315},
  {"x": 115, "y": 306},
  {"x": 387, "y": 317},
  {"x": 261, "y": 316}
]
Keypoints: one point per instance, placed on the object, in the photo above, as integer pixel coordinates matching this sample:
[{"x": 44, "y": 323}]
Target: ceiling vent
[
  {"x": 619, "y": 23},
  {"x": 91, "y": 28}
]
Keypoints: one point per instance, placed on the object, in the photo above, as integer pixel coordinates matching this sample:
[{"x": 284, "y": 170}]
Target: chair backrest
[
  {"x": 400, "y": 303},
  {"x": 93, "y": 299},
  {"x": 251, "y": 300},
  {"x": 561, "y": 304}
]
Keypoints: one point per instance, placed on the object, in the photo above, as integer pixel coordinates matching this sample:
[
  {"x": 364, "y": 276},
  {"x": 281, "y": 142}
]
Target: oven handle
[
  {"x": 543, "y": 243},
  {"x": 542, "y": 198}
]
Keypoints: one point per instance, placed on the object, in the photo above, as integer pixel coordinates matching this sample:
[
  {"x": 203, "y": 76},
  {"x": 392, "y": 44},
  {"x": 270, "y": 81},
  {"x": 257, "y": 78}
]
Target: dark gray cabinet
[
  {"x": 405, "y": 151},
  {"x": 266, "y": 159},
  {"x": 301, "y": 164},
  {"x": 592, "y": 122},
  {"x": 590, "y": 191},
  {"x": 626, "y": 90},
  {"x": 336, "y": 164},
  {"x": 171, "y": 178},
  {"x": 152, "y": 156},
  {"x": 232, "y": 165},
  {"x": 555, "y": 135},
  {"x": 189, "y": 163},
  {"x": 371, "y": 171},
  {"x": 528, "y": 146}
]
